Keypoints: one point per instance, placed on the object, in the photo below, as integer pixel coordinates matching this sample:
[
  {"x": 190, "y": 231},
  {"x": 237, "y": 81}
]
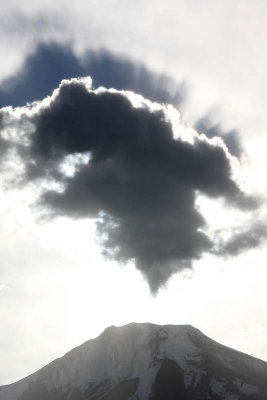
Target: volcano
[{"x": 146, "y": 362}]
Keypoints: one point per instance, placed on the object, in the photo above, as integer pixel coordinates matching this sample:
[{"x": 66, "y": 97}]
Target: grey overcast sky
[{"x": 134, "y": 189}]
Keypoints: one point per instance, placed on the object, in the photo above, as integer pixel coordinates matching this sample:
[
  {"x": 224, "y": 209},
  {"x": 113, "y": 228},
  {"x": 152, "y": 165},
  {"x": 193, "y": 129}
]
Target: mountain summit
[{"x": 146, "y": 362}]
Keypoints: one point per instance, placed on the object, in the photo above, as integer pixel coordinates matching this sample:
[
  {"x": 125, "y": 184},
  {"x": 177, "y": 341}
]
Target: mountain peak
[{"x": 144, "y": 361}]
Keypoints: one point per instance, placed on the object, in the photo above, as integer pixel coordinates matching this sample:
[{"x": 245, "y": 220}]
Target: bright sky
[{"x": 56, "y": 289}]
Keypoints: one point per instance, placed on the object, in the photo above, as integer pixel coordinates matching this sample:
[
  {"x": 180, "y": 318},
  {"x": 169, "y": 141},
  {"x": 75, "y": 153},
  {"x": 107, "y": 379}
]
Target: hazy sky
[{"x": 117, "y": 207}]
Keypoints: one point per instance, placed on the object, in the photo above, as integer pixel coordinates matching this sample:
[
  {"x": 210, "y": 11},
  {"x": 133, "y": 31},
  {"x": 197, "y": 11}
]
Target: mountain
[{"x": 146, "y": 362}]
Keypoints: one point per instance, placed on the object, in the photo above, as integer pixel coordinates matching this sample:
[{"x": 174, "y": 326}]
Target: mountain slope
[{"x": 146, "y": 362}]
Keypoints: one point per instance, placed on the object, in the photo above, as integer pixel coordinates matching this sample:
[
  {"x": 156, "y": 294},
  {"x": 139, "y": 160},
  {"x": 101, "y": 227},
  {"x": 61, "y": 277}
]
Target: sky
[{"x": 132, "y": 172}]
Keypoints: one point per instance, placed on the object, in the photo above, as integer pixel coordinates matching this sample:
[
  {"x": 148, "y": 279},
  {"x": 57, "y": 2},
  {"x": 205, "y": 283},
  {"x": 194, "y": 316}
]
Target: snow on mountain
[{"x": 146, "y": 362}]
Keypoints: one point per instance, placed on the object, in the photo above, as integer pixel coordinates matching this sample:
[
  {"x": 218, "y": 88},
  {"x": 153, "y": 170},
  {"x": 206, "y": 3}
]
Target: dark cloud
[
  {"x": 140, "y": 183},
  {"x": 107, "y": 125},
  {"x": 147, "y": 216},
  {"x": 231, "y": 138},
  {"x": 249, "y": 238},
  {"x": 1, "y": 121},
  {"x": 44, "y": 69},
  {"x": 4, "y": 144},
  {"x": 110, "y": 71}
]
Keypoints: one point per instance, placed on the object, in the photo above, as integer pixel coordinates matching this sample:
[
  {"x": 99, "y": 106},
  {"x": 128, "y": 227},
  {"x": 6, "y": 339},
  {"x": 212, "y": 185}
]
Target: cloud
[
  {"x": 249, "y": 238},
  {"x": 4, "y": 144},
  {"x": 3, "y": 287},
  {"x": 48, "y": 64},
  {"x": 231, "y": 138},
  {"x": 135, "y": 169}
]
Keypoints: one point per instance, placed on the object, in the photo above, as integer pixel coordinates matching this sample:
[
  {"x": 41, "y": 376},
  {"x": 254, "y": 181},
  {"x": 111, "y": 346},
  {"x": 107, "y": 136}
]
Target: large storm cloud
[{"x": 140, "y": 175}]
